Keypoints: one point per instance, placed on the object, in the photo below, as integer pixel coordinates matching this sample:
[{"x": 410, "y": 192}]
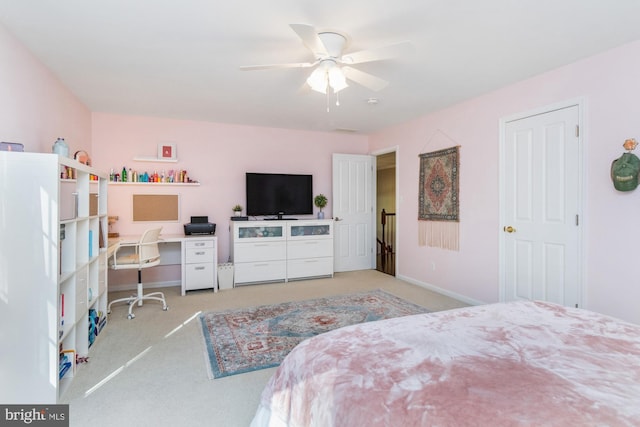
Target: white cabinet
[
  {"x": 309, "y": 249},
  {"x": 259, "y": 251},
  {"x": 270, "y": 251},
  {"x": 199, "y": 268},
  {"x": 53, "y": 280}
]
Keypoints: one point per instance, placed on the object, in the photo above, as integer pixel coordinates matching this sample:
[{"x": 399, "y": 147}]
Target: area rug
[{"x": 245, "y": 340}]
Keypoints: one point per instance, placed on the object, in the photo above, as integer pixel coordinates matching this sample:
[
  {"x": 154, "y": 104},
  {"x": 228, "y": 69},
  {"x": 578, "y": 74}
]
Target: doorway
[
  {"x": 541, "y": 197},
  {"x": 386, "y": 229}
]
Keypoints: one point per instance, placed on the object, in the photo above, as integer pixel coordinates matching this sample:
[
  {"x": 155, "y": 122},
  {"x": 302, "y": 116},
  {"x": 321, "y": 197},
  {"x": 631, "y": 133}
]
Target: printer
[{"x": 199, "y": 225}]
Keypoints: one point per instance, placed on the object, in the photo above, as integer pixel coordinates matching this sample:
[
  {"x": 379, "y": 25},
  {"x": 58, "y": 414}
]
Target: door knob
[
  {"x": 509, "y": 229},
  {"x": 337, "y": 219}
]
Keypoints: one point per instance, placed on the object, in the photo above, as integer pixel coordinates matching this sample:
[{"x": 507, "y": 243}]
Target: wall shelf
[
  {"x": 184, "y": 184},
  {"x": 154, "y": 159}
]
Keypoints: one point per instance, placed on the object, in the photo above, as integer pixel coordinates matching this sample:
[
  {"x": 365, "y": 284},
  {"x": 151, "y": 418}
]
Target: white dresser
[{"x": 271, "y": 251}]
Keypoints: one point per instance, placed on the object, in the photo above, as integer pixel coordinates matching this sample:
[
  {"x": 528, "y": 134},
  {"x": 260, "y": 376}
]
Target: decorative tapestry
[{"x": 438, "y": 199}]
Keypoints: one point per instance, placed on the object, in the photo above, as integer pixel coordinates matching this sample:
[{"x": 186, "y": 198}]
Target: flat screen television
[{"x": 279, "y": 194}]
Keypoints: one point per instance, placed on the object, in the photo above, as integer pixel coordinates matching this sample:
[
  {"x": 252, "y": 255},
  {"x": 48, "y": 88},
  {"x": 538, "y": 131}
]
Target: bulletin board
[{"x": 156, "y": 207}]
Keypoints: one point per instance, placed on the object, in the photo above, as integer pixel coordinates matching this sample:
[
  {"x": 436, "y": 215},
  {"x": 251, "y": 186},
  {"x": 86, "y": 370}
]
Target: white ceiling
[{"x": 181, "y": 58}]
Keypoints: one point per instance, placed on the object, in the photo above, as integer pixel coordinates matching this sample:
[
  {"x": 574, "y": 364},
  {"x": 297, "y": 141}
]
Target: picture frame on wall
[{"x": 167, "y": 151}]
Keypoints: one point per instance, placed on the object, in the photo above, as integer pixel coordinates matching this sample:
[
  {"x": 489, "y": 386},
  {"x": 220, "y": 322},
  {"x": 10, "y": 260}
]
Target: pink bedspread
[{"x": 512, "y": 364}]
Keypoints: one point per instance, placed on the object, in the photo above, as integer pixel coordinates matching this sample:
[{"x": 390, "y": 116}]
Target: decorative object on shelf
[
  {"x": 167, "y": 151},
  {"x": 237, "y": 210},
  {"x": 11, "y": 146},
  {"x": 112, "y": 220},
  {"x": 83, "y": 157},
  {"x": 60, "y": 147},
  {"x": 320, "y": 201},
  {"x": 625, "y": 169},
  {"x": 168, "y": 177}
]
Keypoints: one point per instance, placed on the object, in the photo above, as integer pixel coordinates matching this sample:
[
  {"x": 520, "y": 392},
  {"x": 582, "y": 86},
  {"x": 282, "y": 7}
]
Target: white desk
[{"x": 199, "y": 258}]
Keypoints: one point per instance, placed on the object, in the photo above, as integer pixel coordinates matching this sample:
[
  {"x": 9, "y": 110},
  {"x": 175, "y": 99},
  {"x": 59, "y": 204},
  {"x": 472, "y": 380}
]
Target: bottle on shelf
[
  {"x": 60, "y": 147},
  {"x": 124, "y": 174}
]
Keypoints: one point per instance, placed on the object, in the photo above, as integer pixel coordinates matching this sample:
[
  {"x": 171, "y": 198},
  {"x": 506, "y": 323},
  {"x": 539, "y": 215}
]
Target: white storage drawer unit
[
  {"x": 268, "y": 251},
  {"x": 259, "y": 252},
  {"x": 309, "y": 249},
  {"x": 200, "y": 263}
]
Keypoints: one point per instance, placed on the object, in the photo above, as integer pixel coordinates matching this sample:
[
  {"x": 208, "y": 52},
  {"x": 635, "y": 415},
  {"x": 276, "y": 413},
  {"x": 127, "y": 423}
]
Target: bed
[{"x": 508, "y": 364}]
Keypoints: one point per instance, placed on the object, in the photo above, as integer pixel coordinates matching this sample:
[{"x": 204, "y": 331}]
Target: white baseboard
[
  {"x": 434, "y": 288},
  {"x": 134, "y": 286}
]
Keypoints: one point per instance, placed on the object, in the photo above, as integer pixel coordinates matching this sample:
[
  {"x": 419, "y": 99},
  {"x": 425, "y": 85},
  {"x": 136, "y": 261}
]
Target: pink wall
[
  {"x": 35, "y": 107},
  {"x": 217, "y": 155},
  {"x": 609, "y": 86}
]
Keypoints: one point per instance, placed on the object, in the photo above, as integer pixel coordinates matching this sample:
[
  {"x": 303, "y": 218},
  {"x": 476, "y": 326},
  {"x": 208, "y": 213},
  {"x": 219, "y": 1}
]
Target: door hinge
[
  {"x": 577, "y": 131},
  {"x": 577, "y": 220}
]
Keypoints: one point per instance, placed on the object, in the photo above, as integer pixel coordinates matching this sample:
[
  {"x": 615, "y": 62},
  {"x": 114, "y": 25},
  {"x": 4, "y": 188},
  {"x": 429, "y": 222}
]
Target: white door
[
  {"x": 354, "y": 231},
  {"x": 541, "y": 208}
]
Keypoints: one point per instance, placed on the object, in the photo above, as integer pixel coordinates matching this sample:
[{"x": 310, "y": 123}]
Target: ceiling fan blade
[
  {"x": 273, "y": 66},
  {"x": 365, "y": 79},
  {"x": 310, "y": 39},
  {"x": 378, "y": 54}
]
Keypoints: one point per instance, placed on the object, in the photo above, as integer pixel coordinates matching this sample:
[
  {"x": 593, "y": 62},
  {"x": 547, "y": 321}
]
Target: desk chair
[{"x": 146, "y": 255}]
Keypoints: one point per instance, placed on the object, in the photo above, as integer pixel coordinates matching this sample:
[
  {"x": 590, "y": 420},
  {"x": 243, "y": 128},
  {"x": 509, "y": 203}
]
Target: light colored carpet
[{"x": 150, "y": 371}]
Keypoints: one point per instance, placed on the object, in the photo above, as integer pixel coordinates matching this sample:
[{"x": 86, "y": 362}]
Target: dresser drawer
[
  {"x": 195, "y": 255},
  {"x": 199, "y": 244},
  {"x": 312, "y": 267},
  {"x": 259, "y": 251},
  {"x": 310, "y": 249},
  {"x": 199, "y": 276},
  {"x": 260, "y": 271}
]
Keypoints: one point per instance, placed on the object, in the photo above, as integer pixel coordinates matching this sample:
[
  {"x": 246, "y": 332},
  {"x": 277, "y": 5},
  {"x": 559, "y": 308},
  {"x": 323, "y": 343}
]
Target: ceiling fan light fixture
[
  {"x": 318, "y": 80},
  {"x": 337, "y": 80}
]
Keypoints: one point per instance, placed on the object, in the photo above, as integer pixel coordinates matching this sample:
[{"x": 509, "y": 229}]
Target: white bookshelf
[{"x": 50, "y": 250}]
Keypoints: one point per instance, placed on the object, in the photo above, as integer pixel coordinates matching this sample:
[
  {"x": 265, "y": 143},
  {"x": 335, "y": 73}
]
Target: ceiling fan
[{"x": 333, "y": 65}]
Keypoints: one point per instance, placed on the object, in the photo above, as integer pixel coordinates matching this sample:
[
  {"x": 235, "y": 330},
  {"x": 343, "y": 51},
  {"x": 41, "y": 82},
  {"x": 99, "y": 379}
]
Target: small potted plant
[
  {"x": 237, "y": 210},
  {"x": 320, "y": 201}
]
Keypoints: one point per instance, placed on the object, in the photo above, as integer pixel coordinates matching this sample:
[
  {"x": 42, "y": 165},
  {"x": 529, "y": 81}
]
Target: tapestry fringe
[{"x": 439, "y": 234}]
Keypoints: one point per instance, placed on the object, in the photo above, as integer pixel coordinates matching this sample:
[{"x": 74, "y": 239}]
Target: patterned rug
[{"x": 245, "y": 340}]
